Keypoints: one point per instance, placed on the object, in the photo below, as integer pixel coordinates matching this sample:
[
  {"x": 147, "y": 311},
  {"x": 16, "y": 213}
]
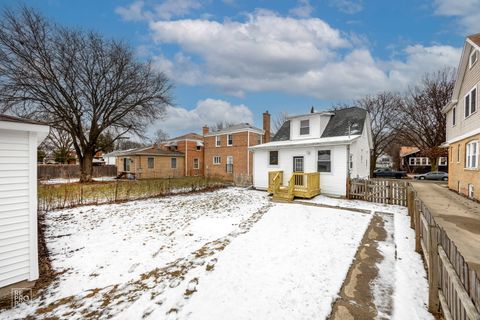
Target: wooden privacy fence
[
  {"x": 386, "y": 191},
  {"x": 67, "y": 171},
  {"x": 454, "y": 288}
]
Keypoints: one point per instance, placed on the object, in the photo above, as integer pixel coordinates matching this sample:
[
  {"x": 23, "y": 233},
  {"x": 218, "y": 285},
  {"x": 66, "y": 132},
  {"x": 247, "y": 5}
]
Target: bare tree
[
  {"x": 278, "y": 121},
  {"x": 78, "y": 82},
  {"x": 383, "y": 108},
  {"x": 422, "y": 120},
  {"x": 60, "y": 144},
  {"x": 160, "y": 136},
  {"x": 220, "y": 125}
]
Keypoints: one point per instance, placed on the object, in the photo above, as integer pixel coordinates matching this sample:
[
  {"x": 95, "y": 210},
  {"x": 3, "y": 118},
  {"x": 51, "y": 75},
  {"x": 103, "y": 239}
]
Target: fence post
[
  {"x": 390, "y": 192},
  {"x": 366, "y": 196},
  {"x": 348, "y": 187},
  {"x": 417, "y": 212},
  {"x": 411, "y": 206},
  {"x": 433, "y": 276}
]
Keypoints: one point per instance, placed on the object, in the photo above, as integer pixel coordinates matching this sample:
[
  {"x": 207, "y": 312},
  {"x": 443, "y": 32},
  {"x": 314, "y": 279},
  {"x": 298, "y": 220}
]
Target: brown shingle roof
[
  {"x": 475, "y": 38},
  {"x": 153, "y": 151},
  {"x": 4, "y": 117}
]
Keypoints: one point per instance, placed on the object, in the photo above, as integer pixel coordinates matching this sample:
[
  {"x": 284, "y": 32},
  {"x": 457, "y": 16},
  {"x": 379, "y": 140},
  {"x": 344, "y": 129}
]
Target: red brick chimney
[
  {"x": 266, "y": 127},
  {"x": 205, "y": 130}
]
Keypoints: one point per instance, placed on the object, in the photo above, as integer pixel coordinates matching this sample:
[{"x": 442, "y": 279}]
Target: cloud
[
  {"x": 303, "y": 10},
  {"x": 207, "y": 112},
  {"x": 347, "y": 6},
  {"x": 465, "y": 10},
  {"x": 267, "y": 52},
  {"x": 165, "y": 10}
]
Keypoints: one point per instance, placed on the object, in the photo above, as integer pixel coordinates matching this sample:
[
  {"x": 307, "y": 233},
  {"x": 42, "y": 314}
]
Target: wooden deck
[{"x": 300, "y": 185}]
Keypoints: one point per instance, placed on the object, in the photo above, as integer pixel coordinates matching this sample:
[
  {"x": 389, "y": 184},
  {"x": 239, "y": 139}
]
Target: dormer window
[
  {"x": 304, "y": 127},
  {"x": 470, "y": 102},
  {"x": 473, "y": 58}
]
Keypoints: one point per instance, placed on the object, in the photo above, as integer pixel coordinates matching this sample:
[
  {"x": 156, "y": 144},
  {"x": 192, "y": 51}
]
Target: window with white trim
[
  {"x": 217, "y": 141},
  {"x": 470, "y": 102},
  {"x": 324, "y": 163},
  {"x": 473, "y": 58},
  {"x": 419, "y": 161},
  {"x": 471, "y": 159},
  {"x": 229, "y": 139},
  {"x": 304, "y": 127},
  {"x": 442, "y": 161},
  {"x": 216, "y": 160},
  {"x": 196, "y": 163},
  {"x": 471, "y": 191},
  {"x": 454, "y": 116}
]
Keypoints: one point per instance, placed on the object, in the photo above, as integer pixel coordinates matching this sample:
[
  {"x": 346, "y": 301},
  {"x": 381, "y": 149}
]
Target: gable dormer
[{"x": 308, "y": 126}]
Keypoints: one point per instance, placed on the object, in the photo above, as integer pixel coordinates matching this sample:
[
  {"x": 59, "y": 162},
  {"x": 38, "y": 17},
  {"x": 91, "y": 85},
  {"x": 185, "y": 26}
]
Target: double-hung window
[
  {"x": 471, "y": 160},
  {"x": 324, "y": 163},
  {"x": 196, "y": 163},
  {"x": 273, "y": 158},
  {"x": 304, "y": 127},
  {"x": 229, "y": 139},
  {"x": 217, "y": 141},
  {"x": 174, "y": 163},
  {"x": 216, "y": 160},
  {"x": 473, "y": 58},
  {"x": 470, "y": 102},
  {"x": 151, "y": 162}
]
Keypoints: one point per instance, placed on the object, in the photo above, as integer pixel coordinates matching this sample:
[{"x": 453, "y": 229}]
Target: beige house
[
  {"x": 150, "y": 162},
  {"x": 463, "y": 123}
]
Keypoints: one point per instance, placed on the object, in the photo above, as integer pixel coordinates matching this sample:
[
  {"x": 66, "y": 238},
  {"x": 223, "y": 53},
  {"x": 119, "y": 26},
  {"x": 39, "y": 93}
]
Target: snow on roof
[{"x": 307, "y": 142}]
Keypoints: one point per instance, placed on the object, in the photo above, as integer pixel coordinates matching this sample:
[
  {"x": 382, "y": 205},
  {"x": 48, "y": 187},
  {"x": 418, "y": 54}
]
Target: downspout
[{"x": 186, "y": 158}]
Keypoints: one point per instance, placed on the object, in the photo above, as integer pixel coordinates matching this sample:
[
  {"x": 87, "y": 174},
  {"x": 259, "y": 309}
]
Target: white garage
[{"x": 19, "y": 139}]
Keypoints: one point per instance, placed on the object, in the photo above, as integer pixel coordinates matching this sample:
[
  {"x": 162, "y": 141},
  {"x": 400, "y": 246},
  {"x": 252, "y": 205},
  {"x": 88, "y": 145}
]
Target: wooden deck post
[
  {"x": 348, "y": 187},
  {"x": 433, "y": 276},
  {"x": 417, "y": 213}
]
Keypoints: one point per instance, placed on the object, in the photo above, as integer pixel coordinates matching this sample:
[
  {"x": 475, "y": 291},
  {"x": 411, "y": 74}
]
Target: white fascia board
[{"x": 463, "y": 136}]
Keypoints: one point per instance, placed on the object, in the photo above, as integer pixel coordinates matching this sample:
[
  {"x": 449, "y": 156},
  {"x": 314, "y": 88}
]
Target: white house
[
  {"x": 19, "y": 139},
  {"x": 336, "y": 144}
]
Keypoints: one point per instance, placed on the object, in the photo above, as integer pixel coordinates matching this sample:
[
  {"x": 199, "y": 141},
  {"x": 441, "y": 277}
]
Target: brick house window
[
  {"x": 471, "y": 160},
  {"x": 196, "y": 163},
  {"x": 229, "y": 139},
  {"x": 324, "y": 161},
  {"x": 199, "y": 148},
  {"x": 273, "y": 158},
  {"x": 151, "y": 162},
  {"x": 217, "y": 141},
  {"x": 458, "y": 154},
  {"x": 470, "y": 102},
  {"x": 173, "y": 163},
  {"x": 304, "y": 127},
  {"x": 229, "y": 167},
  {"x": 216, "y": 160}
]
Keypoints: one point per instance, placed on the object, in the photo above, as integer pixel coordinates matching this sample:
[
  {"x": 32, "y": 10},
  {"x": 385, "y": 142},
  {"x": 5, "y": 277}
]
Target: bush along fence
[
  {"x": 59, "y": 196},
  {"x": 67, "y": 171},
  {"x": 454, "y": 287},
  {"x": 387, "y": 191}
]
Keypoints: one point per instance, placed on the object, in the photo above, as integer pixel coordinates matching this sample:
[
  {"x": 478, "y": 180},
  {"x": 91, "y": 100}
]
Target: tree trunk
[
  {"x": 434, "y": 164},
  {"x": 373, "y": 163},
  {"x": 86, "y": 167}
]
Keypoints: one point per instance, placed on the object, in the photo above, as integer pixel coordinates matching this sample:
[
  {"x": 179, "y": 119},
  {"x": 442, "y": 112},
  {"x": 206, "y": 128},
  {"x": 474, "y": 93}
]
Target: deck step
[{"x": 282, "y": 195}]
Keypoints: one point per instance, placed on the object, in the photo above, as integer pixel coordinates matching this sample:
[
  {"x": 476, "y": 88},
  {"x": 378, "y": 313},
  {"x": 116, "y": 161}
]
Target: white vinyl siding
[{"x": 15, "y": 224}]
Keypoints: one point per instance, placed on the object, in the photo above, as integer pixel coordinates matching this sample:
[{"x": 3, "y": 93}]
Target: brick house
[
  {"x": 227, "y": 153},
  {"x": 151, "y": 162},
  {"x": 463, "y": 123},
  {"x": 191, "y": 145}
]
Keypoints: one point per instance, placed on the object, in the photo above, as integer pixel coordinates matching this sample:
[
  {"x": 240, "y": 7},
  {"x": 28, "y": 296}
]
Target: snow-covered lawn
[
  {"x": 74, "y": 180},
  {"x": 227, "y": 254}
]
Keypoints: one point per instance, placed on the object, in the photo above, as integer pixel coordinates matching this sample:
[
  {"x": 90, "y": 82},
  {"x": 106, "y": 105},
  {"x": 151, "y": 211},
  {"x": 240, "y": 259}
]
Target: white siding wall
[
  {"x": 360, "y": 150},
  {"x": 333, "y": 183},
  {"x": 18, "y": 234}
]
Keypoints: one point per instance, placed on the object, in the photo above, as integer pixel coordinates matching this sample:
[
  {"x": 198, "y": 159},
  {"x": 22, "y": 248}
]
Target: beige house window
[
  {"x": 458, "y": 154},
  {"x": 473, "y": 58},
  {"x": 173, "y": 162},
  {"x": 470, "y": 101},
  {"x": 151, "y": 162}
]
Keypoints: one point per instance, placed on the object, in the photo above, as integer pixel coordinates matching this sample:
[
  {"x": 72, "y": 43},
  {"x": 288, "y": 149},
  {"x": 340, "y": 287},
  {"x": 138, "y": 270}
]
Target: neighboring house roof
[
  {"x": 188, "y": 136},
  {"x": 151, "y": 151},
  {"x": 236, "y": 128},
  {"x": 308, "y": 142},
  {"x": 341, "y": 123},
  {"x": 475, "y": 38},
  {"x": 406, "y": 151},
  {"x": 4, "y": 117}
]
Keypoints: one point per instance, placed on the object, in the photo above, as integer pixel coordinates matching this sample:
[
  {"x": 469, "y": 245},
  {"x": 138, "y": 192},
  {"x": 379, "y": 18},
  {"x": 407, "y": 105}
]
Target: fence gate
[{"x": 385, "y": 191}]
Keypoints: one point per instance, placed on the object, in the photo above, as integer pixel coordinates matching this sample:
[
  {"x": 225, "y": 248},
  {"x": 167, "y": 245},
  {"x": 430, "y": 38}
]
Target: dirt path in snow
[{"x": 357, "y": 299}]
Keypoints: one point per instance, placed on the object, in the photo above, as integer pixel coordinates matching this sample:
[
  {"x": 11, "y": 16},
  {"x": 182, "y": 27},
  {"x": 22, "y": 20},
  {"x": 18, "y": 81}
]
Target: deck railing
[
  {"x": 300, "y": 184},
  {"x": 274, "y": 175}
]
